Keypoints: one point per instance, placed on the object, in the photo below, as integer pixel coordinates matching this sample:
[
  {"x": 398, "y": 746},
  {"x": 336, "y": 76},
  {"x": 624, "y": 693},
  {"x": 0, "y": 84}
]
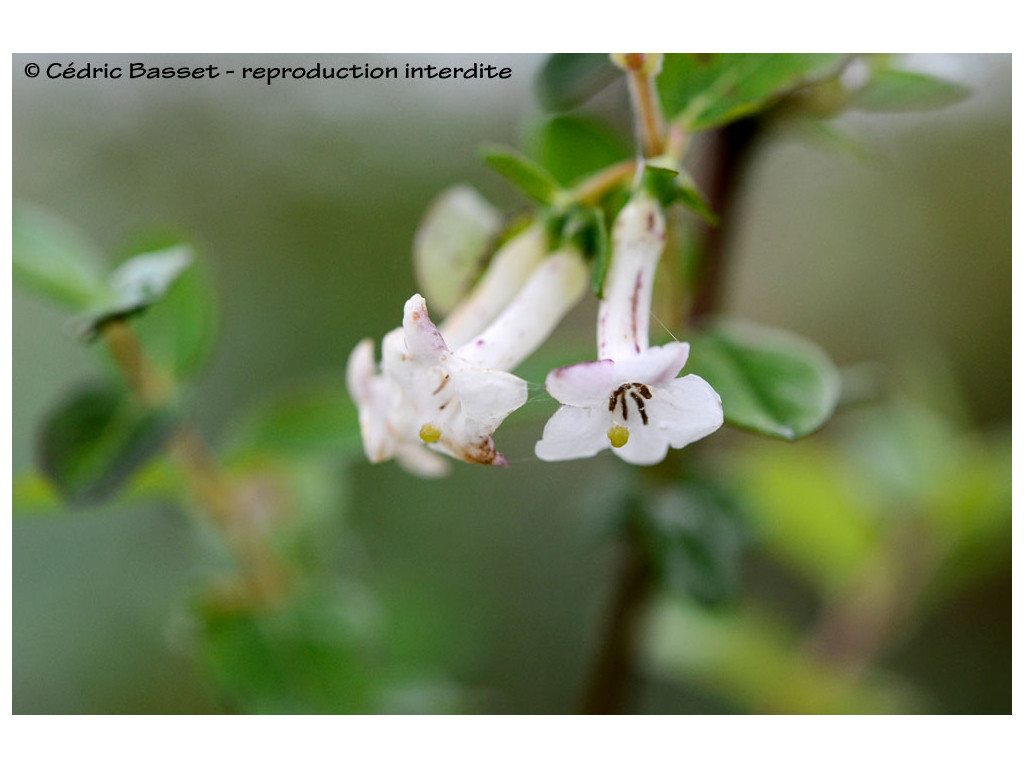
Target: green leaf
[
  {"x": 756, "y": 663},
  {"x": 568, "y": 79},
  {"x": 179, "y": 332},
  {"x": 138, "y": 283},
  {"x": 33, "y": 494},
  {"x": 310, "y": 655},
  {"x": 305, "y": 421},
  {"x": 787, "y": 490},
  {"x": 523, "y": 172},
  {"x": 892, "y": 90},
  {"x": 451, "y": 245},
  {"x": 93, "y": 442},
  {"x": 770, "y": 381},
  {"x": 55, "y": 260},
  {"x": 707, "y": 90},
  {"x": 697, "y": 539},
  {"x": 570, "y": 146}
]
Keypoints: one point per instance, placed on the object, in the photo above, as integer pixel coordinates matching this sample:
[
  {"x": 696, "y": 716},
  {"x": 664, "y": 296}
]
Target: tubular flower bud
[{"x": 509, "y": 269}]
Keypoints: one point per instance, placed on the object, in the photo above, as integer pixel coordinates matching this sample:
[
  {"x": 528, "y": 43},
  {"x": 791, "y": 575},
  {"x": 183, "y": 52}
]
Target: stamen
[{"x": 639, "y": 405}]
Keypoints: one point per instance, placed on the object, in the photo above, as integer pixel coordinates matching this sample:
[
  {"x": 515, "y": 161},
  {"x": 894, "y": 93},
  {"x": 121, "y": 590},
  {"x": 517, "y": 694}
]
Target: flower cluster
[{"x": 444, "y": 390}]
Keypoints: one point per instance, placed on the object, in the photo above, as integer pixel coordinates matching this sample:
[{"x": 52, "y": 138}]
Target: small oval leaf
[
  {"x": 770, "y": 381},
  {"x": 451, "y": 245},
  {"x": 96, "y": 439},
  {"x": 530, "y": 177},
  {"x": 55, "y": 260},
  {"x": 136, "y": 284},
  {"x": 892, "y": 90}
]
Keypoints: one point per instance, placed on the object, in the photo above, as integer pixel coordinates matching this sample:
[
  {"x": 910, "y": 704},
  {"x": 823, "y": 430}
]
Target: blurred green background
[{"x": 303, "y": 197}]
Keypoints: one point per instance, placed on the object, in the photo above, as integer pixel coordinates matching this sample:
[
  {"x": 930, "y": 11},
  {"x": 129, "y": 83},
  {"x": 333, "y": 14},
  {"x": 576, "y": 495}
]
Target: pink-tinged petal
[
  {"x": 584, "y": 385},
  {"x": 573, "y": 433},
  {"x": 422, "y": 339},
  {"x": 686, "y": 410},
  {"x": 589, "y": 384},
  {"x": 654, "y": 367}
]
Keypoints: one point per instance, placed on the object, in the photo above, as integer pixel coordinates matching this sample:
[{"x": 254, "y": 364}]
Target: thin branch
[
  {"x": 607, "y": 688},
  {"x": 264, "y": 577}
]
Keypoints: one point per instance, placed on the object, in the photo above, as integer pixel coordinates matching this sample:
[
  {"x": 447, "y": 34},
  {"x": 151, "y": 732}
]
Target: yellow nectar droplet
[
  {"x": 429, "y": 433},
  {"x": 618, "y": 434}
]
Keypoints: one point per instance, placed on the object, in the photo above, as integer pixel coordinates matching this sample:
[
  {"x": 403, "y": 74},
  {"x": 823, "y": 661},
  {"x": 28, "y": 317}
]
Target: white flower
[
  {"x": 426, "y": 395},
  {"x": 630, "y": 400},
  {"x": 382, "y": 412},
  {"x": 427, "y": 398},
  {"x": 635, "y": 406}
]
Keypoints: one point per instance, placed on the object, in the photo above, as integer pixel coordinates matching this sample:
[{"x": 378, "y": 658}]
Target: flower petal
[
  {"x": 422, "y": 339},
  {"x": 584, "y": 385},
  {"x": 421, "y": 461},
  {"x": 654, "y": 367},
  {"x": 487, "y": 397},
  {"x": 686, "y": 410},
  {"x": 573, "y": 433},
  {"x": 591, "y": 383},
  {"x": 646, "y": 446}
]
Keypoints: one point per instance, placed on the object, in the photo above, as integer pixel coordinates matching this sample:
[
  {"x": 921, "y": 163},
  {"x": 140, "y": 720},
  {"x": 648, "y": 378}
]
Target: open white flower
[
  {"x": 446, "y": 400},
  {"x": 427, "y": 398},
  {"x": 635, "y": 406},
  {"x": 630, "y": 400}
]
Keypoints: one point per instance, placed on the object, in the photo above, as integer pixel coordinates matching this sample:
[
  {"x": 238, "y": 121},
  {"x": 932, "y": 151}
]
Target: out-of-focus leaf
[
  {"x": 893, "y": 90},
  {"x": 451, "y": 244},
  {"x": 707, "y": 90},
  {"x": 33, "y": 494},
  {"x": 570, "y": 146},
  {"x": 179, "y": 332},
  {"x": 523, "y": 172},
  {"x": 96, "y": 439},
  {"x": 810, "y": 509},
  {"x": 756, "y": 664},
  {"x": 53, "y": 259},
  {"x": 956, "y": 483},
  {"x": 770, "y": 381},
  {"x": 138, "y": 283},
  {"x": 697, "y": 540},
  {"x": 309, "y": 420},
  {"x": 568, "y": 79},
  {"x": 308, "y": 656}
]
